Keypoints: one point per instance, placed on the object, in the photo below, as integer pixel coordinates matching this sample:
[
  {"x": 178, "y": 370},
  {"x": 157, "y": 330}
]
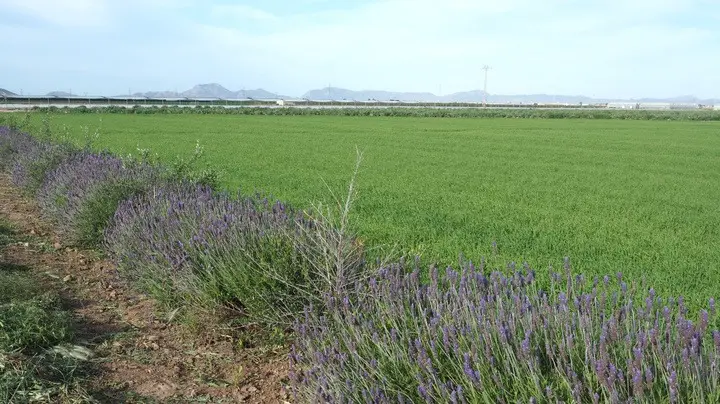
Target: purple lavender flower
[
  {"x": 673, "y": 386},
  {"x": 525, "y": 345},
  {"x": 637, "y": 380},
  {"x": 704, "y": 320},
  {"x": 649, "y": 378},
  {"x": 711, "y": 306},
  {"x": 424, "y": 393}
]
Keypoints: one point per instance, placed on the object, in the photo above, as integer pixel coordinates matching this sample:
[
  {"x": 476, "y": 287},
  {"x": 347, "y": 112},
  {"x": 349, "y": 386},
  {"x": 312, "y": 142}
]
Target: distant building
[
  {"x": 621, "y": 105},
  {"x": 655, "y": 106}
]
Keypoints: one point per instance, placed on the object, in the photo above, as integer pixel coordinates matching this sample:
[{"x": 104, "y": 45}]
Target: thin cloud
[
  {"x": 241, "y": 12},
  {"x": 67, "y": 13}
]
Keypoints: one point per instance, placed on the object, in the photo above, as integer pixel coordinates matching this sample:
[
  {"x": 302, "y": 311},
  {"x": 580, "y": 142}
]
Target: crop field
[{"x": 637, "y": 197}]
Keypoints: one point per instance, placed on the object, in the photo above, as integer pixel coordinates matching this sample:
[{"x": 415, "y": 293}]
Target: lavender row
[
  {"x": 184, "y": 243},
  {"x": 470, "y": 337}
]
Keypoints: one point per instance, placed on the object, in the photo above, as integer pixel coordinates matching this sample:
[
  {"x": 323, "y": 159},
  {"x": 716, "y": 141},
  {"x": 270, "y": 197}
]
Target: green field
[{"x": 641, "y": 197}]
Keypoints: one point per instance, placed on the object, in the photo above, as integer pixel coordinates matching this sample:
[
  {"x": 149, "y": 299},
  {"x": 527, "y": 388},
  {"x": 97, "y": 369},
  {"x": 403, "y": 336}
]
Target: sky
[{"x": 603, "y": 49}]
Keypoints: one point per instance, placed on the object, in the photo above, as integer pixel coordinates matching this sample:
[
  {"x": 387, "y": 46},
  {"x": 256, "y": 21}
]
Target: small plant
[
  {"x": 33, "y": 324},
  {"x": 186, "y": 169},
  {"x": 336, "y": 257},
  {"x": 18, "y": 125},
  {"x": 42, "y": 378},
  {"x": 46, "y": 132},
  {"x": 15, "y": 286}
]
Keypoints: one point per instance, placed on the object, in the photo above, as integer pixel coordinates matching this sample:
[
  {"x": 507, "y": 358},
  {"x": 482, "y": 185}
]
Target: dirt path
[{"x": 141, "y": 355}]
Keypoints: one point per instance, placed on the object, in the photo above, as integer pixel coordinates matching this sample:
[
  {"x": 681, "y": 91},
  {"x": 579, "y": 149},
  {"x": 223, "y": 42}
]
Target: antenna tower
[{"x": 486, "y": 68}]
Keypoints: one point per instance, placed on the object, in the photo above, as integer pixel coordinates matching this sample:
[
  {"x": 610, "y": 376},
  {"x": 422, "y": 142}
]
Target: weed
[{"x": 29, "y": 325}]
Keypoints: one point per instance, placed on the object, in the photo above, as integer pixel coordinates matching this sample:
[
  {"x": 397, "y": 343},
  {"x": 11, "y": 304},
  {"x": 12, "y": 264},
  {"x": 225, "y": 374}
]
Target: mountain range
[
  {"x": 59, "y": 94},
  {"x": 214, "y": 90},
  {"x": 479, "y": 96}
]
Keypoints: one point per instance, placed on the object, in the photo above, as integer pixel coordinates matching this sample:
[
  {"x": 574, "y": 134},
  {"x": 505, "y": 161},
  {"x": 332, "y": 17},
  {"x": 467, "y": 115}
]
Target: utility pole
[{"x": 486, "y": 68}]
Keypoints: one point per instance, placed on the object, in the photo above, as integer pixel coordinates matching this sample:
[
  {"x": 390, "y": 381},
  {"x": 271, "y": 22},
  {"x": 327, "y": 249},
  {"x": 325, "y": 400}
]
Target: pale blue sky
[{"x": 611, "y": 48}]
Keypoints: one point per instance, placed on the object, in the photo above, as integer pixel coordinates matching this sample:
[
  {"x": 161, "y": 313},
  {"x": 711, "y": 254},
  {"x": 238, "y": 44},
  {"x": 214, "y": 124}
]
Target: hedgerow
[
  {"x": 458, "y": 112},
  {"x": 482, "y": 336}
]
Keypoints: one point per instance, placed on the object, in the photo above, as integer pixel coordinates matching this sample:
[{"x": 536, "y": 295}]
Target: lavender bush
[
  {"x": 36, "y": 159},
  {"x": 13, "y": 143},
  {"x": 187, "y": 243},
  {"x": 470, "y": 338},
  {"x": 83, "y": 193}
]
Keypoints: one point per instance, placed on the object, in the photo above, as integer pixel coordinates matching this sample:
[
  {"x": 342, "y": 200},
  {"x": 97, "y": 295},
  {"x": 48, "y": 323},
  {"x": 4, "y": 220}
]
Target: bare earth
[{"x": 141, "y": 355}]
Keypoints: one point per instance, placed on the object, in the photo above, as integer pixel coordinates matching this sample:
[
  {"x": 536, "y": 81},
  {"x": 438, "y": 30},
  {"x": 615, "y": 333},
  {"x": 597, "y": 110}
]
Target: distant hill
[
  {"x": 465, "y": 96},
  {"x": 211, "y": 90},
  {"x": 334, "y": 93},
  {"x": 7, "y": 93},
  {"x": 156, "y": 94},
  {"x": 215, "y": 90},
  {"x": 259, "y": 94},
  {"x": 58, "y": 94},
  {"x": 684, "y": 99}
]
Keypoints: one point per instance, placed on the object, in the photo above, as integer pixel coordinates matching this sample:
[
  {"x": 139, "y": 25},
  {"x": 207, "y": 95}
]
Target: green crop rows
[{"x": 639, "y": 197}]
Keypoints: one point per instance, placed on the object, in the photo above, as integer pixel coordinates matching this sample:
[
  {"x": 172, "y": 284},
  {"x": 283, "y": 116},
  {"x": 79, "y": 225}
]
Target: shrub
[
  {"x": 187, "y": 243},
  {"x": 187, "y": 169},
  {"x": 7, "y": 150},
  {"x": 11, "y": 144},
  {"x": 470, "y": 110},
  {"x": 468, "y": 337},
  {"x": 34, "y": 162},
  {"x": 83, "y": 193}
]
